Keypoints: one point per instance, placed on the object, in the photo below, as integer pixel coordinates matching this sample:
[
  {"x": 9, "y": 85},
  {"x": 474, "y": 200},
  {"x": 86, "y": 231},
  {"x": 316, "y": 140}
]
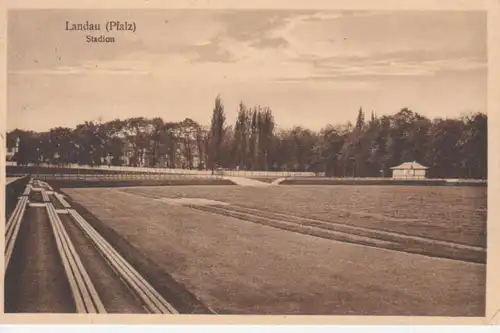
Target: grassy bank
[{"x": 380, "y": 181}]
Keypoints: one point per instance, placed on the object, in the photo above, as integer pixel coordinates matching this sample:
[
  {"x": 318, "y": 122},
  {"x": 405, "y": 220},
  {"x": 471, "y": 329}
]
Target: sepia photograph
[{"x": 246, "y": 162}]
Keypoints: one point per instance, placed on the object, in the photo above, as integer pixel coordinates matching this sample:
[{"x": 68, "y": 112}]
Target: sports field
[{"x": 309, "y": 249}]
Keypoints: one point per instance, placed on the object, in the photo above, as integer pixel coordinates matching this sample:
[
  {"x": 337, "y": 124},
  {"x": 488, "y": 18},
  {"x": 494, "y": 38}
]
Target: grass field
[
  {"x": 236, "y": 266},
  {"x": 451, "y": 214}
]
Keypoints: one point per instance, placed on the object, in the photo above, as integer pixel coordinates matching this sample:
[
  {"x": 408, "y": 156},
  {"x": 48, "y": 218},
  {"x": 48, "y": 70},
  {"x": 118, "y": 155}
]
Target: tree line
[{"x": 369, "y": 147}]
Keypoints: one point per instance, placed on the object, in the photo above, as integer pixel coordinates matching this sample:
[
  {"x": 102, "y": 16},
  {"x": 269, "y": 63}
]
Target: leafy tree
[
  {"x": 449, "y": 147},
  {"x": 474, "y": 146}
]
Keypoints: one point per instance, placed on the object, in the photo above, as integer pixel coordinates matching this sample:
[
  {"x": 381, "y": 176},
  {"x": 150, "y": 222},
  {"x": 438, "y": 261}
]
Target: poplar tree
[{"x": 216, "y": 134}]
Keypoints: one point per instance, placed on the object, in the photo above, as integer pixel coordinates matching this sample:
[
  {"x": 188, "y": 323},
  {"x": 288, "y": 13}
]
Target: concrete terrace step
[
  {"x": 241, "y": 181},
  {"x": 278, "y": 181}
]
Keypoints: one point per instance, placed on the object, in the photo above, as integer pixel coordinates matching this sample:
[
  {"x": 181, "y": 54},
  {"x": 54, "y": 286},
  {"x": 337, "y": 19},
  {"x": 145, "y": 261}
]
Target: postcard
[{"x": 215, "y": 163}]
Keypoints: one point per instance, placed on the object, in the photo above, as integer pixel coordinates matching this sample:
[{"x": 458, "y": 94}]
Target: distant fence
[
  {"x": 107, "y": 172},
  {"x": 234, "y": 173},
  {"x": 125, "y": 169},
  {"x": 122, "y": 176}
]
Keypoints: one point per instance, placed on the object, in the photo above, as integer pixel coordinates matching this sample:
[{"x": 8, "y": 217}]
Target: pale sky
[{"x": 311, "y": 67}]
